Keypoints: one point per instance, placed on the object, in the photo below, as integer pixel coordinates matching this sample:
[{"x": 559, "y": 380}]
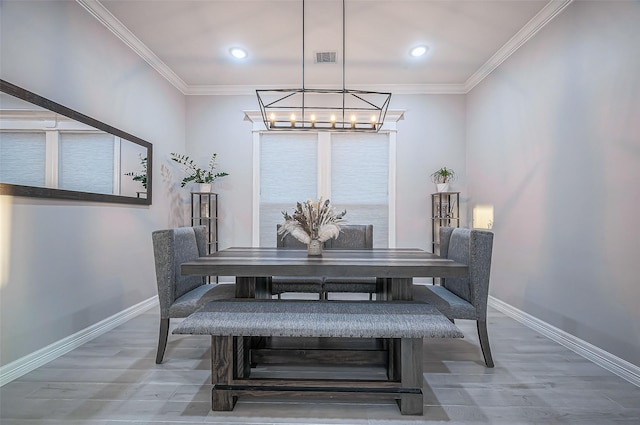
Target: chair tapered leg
[
  {"x": 484, "y": 342},
  {"x": 162, "y": 339}
]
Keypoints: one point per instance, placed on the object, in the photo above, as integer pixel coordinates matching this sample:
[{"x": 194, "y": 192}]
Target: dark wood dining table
[{"x": 394, "y": 268}]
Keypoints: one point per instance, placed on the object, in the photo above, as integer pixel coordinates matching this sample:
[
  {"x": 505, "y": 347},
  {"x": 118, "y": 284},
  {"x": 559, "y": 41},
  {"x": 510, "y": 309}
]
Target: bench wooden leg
[
  {"x": 221, "y": 372},
  {"x": 411, "y": 364}
]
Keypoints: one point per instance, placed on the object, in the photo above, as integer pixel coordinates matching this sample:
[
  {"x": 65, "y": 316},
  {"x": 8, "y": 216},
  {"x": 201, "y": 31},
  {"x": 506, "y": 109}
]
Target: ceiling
[{"x": 188, "y": 42}]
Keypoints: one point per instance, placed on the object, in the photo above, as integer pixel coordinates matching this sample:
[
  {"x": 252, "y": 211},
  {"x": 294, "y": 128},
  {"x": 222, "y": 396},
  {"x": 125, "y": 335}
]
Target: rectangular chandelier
[{"x": 323, "y": 109}]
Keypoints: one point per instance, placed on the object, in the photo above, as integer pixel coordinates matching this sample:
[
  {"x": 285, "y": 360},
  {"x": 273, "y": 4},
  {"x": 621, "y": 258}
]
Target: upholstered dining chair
[
  {"x": 464, "y": 298},
  {"x": 296, "y": 284},
  {"x": 352, "y": 236},
  {"x": 179, "y": 295}
]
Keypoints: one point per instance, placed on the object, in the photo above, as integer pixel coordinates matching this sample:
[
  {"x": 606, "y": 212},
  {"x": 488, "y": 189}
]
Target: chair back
[
  {"x": 172, "y": 247},
  {"x": 474, "y": 248},
  {"x": 353, "y": 236}
]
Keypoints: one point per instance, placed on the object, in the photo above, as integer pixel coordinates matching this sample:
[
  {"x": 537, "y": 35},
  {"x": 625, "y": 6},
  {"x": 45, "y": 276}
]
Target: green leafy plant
[
  {"x": 196, "y": 174},
  {"x": 141, "y": 176},
  {"x": 444, "y": 175}
]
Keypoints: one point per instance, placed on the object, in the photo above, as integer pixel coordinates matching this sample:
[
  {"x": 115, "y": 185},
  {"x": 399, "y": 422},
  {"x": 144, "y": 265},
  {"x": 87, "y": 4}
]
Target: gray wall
[
  {"x": 67, "y": 265},
  {"x": 431, "y": 136},
  {"x": 553, "y": 143}
]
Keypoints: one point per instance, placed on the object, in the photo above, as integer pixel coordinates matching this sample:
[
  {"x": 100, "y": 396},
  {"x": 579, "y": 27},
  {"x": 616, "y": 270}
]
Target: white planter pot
[
  {"x": 442, "y": 187},
  {"x": 204, "y": 187}
]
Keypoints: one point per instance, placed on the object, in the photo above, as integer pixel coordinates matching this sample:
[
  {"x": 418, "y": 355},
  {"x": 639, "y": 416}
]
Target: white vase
[
  {"x": 204, "y": 187},
  {"x": 442, "y": 187},
  {"x": 314, "y": 247}
]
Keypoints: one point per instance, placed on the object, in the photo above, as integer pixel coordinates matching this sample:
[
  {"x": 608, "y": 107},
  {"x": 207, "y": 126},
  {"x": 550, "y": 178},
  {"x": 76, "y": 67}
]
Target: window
[
  {"x": 42, "y": 149},
  {"x": 353, "y": 170},
  {"x": 360, "y": 180},
  {"x": 23, "y": 157},
  {"x": 86, "y": 162},
  {"x": 288, "y": 173}
]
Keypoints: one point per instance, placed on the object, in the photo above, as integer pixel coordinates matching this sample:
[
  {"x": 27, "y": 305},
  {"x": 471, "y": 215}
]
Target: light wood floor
[{"x": 114, "y": 380}]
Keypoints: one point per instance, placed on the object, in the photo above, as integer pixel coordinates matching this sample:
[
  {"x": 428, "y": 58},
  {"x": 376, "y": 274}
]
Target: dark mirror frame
[{"x": 44, "y": 192}]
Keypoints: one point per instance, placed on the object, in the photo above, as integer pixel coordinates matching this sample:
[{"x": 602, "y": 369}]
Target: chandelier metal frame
[{"x": 307, "y": 109}]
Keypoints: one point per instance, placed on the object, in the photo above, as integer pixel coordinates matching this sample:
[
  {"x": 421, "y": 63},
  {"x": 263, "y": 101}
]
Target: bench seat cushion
[
  {"x": 200, "y": 296},
  {"x": 297, "y": 318},
  {"x": 444, "y": 300}
]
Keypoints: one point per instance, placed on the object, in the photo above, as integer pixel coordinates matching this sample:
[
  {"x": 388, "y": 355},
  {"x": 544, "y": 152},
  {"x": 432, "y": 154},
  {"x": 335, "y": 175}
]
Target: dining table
[{"x": 393, "y": 268}]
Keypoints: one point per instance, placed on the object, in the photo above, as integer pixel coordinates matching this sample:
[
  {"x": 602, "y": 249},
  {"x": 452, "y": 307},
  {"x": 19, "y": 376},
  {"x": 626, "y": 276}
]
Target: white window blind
[
  {"x": 353, "y": 170},
  {"x": 23, "y": 158},
  {"x": 86, "y": 162},
  {"x": 288, "y": 174},
  {"x": 360, "y": 180}
]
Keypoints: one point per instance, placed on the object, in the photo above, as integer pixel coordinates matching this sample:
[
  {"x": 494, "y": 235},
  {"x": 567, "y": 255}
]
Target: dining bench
[{"x": 233, "y": 323}]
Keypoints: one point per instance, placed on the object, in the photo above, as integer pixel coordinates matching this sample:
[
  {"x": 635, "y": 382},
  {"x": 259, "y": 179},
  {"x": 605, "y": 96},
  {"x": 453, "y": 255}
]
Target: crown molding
[
  {"x": 222, "y": 90},
  {"x": 95, "y": 8},
  {"x": 550, "y": 11}
]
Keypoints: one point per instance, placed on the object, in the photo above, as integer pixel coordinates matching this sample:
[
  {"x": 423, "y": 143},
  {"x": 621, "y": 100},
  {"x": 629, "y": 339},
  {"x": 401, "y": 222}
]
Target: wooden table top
[{"x": 378, "y": 262}]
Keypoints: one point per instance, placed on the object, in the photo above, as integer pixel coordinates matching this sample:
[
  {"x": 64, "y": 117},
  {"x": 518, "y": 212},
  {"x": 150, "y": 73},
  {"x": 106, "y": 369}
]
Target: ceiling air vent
[{"x": 325, "y": 57}]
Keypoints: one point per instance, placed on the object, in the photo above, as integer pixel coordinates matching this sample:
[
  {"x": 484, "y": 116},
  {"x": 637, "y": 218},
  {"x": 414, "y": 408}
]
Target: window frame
[{"x": 324, "y": 177}]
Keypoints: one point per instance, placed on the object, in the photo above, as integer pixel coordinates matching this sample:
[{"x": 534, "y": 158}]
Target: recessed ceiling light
[
  {"x": 419, "y": 51},
  {"x": 238, "y": 53}
]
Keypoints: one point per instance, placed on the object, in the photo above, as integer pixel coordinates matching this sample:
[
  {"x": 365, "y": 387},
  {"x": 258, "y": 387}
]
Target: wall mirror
[{"x": 50, "y": 151}]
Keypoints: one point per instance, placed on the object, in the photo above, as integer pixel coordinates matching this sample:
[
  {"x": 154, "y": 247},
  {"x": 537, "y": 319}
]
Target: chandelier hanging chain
[{"x": 344, "y": 58}]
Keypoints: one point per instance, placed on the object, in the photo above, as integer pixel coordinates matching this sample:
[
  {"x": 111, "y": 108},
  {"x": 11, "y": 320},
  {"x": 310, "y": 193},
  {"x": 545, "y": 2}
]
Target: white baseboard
[
  {"x": 26, "y": 364},
  {"x": 602, "y": 358}
]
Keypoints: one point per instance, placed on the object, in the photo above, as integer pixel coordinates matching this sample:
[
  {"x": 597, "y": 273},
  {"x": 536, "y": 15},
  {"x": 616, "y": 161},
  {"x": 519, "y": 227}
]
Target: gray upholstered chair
[
  {"x": 464, "y": 298},
  {"x": 179, "y": 295},
  {"x": 300, "y": 284},
  {"x": 352, "y": 236}
]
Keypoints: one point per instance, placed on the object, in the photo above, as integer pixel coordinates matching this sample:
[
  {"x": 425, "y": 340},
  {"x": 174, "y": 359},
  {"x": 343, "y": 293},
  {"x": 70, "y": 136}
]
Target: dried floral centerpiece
[{"x": 313, "y": 223}]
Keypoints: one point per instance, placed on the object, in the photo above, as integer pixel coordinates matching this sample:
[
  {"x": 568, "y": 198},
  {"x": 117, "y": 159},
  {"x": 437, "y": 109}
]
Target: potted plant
[
  {"x": 141, "y": 176},
  {"x": 204, "y": 177},
  {"x": 443, "y": 177}
]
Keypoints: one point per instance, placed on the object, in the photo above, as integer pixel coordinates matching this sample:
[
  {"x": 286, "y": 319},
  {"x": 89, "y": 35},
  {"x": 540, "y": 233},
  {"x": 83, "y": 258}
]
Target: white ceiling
[{"x": 188, "y": 41}]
